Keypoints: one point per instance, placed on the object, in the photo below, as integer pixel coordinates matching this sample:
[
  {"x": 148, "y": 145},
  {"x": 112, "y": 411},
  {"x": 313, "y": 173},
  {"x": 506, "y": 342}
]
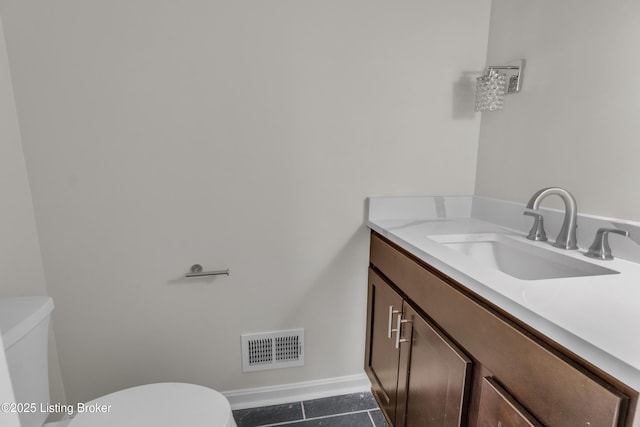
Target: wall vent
[{"x": 272, "y": 350}]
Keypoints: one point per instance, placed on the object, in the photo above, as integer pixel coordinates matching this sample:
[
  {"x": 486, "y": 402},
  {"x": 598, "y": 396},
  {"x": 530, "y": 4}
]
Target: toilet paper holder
[{"x": 196, "y": 271}]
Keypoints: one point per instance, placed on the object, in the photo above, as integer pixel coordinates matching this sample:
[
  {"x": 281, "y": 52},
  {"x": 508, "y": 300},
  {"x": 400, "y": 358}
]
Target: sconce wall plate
[{"x": 513, "y": 70}]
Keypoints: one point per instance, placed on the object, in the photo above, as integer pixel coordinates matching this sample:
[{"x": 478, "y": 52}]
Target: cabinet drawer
[
  {"x": 499, "y": 409},
  {"x": 557, "y": 390}
]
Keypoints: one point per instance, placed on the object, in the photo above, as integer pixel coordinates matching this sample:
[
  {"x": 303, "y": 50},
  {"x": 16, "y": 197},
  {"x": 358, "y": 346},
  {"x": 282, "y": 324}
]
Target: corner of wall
[{"x": 24, "y": 273}]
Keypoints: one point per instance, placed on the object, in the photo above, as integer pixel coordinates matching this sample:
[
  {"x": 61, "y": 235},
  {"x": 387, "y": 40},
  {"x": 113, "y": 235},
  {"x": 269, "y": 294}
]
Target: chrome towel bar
[{"x": 196, "y": 271}]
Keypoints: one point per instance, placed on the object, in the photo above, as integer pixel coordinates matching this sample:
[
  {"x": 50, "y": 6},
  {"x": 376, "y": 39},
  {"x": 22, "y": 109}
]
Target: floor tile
[
  {"x": 360, "y": 419},
  {"x": 378, "y": 418},
  {"x": 339, "y": 404},
  {"x": 268, "y": 415}
]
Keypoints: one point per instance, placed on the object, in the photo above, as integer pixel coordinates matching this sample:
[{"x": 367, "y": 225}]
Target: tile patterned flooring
[{"x": 350, "y": 410}]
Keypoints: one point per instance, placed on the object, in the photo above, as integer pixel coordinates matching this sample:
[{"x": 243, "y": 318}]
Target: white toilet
[{"x": 24, "y": 323}]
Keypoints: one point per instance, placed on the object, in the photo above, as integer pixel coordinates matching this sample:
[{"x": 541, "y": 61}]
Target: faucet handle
[
  {"x": 537, "y": 232},
  {"x": 600, "y": 248}
]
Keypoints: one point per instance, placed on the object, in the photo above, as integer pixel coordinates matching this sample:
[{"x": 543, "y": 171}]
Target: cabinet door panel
[
  {"x": 434, "y": 378},
  {"x": 382, "y": 357},
  {"x": 499, "y": 409}
]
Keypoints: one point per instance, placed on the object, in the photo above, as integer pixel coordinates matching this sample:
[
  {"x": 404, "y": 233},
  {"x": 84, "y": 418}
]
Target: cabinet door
[
  {"x": 434, "y": 378},
  {"x": 381, "y": 358}
]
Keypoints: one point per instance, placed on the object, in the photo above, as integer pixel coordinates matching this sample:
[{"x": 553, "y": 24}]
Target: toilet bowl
[{"x": 24, "y": 325}]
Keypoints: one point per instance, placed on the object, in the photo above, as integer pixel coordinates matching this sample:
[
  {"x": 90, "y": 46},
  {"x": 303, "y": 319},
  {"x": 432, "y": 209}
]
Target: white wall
[
  {"x": 21, "y": 270},
  {"x": 235, "y": 134},
  {"x": 575, "y": 124}
]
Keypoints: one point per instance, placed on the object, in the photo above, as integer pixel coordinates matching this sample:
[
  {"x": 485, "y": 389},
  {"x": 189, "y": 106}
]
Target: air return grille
[{"x": 271, "y": 350}]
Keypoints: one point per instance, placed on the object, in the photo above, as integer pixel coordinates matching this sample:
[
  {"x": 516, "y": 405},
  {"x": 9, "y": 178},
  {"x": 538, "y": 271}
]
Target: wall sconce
[{"x": 498, "y": 81}]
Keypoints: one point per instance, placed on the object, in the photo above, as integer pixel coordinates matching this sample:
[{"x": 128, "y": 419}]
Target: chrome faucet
[
  {"x": 537, "y": 232},
  {"x": 600, "y": 248},
  {"x": 567, "y": 237}
]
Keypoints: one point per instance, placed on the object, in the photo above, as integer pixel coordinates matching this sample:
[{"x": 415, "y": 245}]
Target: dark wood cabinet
[
  {"x": 433, "y": 379},
  {"x": 382, "y": 356},
  {"x": 463, "y": 361},
  {"x": 419, "y": 377}
]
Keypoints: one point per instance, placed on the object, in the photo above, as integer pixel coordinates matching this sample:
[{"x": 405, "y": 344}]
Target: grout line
[
  {"x": 304, "y": 415},
  {"x": 371, "y": 418},
  {"x": 318, "y": 418}
]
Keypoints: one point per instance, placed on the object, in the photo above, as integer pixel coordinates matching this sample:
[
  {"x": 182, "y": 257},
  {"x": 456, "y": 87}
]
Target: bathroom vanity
[{"x": 453, "y": 342}]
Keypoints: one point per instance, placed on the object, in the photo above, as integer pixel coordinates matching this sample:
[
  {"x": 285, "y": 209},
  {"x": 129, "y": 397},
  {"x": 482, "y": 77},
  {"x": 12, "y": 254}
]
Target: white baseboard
[{"x": 295, "y": 392}]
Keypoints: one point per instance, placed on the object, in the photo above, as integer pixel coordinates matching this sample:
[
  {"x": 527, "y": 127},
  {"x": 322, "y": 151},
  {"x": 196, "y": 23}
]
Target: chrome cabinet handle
[
  {"x": 390, "y": 331},
  {"x": 401, "y": 321}
]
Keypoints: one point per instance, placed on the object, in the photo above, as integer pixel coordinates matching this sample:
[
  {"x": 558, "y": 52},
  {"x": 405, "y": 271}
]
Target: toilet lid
[{"x": 157, "y": 405}]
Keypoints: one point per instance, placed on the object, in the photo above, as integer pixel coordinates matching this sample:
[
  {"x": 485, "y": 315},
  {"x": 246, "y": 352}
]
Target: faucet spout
[{"x": 567, "y": 237}]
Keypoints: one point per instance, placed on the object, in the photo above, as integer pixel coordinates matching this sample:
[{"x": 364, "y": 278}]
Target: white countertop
[{"x": 596, "y": 317}]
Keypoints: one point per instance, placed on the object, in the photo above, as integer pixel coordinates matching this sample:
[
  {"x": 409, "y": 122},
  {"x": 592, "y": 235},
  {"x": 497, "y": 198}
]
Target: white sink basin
[{"x": 518, "y": 258}]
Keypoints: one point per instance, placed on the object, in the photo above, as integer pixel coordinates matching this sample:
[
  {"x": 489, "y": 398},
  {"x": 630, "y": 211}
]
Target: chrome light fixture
[{"x": 498, "y": 81}]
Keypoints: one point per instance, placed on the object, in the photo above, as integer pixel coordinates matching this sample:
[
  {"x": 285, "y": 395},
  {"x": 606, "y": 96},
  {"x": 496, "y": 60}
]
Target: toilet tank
[{"x": 24, "y": 323}]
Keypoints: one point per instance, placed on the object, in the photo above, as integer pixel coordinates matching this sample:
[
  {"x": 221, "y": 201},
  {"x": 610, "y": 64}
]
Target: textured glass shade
[{"x": 490, "y": 91}]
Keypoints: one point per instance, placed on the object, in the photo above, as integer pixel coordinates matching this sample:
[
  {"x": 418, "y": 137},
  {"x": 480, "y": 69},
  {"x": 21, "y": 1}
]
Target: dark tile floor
[{"x": 349, "y": 410}]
